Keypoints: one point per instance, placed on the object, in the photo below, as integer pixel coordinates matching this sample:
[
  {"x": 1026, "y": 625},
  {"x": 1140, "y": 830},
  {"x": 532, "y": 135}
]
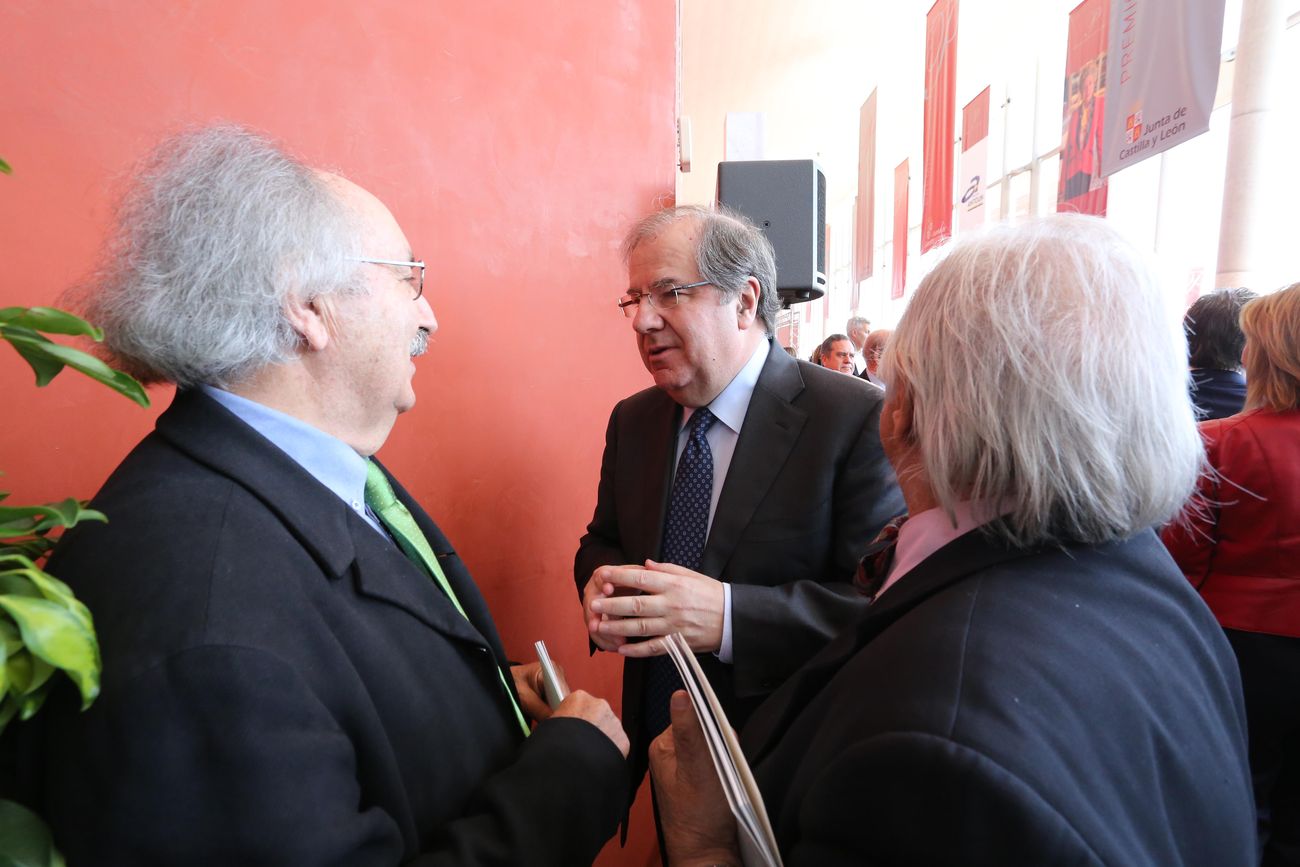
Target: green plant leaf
[
  {"x": 51, "y": 321},
  {"x": 56, "y": 591},
  {"x": 35, "y": 548},
  {"x": 10, "y": 639},
  {"x": 26, "y": 520},
  {"x": 29, "y": 704},
  {"x": 30, "y": 348},
  {"x": 55, "y": 634},
  {"x": 15, "y": 582},
  {"x": 41, "y": 671},
  {"x": 47, "y": 358},
  {"x": 18, "y": 671},
  {"x": 6, "y": 168},
  {"x": 27, "y": 841}
]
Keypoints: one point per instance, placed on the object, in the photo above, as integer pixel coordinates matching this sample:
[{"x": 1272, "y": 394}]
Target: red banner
[
  {"x": 864, "y": 219},
  {"x": 940, "y": 109},
  {"x": 900, "y": 231},
  {"x": 1082, "y": 187},
  {"x": 975, "y": 120}
]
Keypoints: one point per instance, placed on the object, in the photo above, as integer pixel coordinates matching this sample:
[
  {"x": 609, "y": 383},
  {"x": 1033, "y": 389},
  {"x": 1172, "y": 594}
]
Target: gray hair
[
  {"x": 856, "y": 322},
  {"x": 217, "y": 230},
  {"x": 875, "y": 343},
  {"x": 830, "y": 341},
  {"x": 731, "y": 250},
  {"x": 1213, "y": 328},
  {"x": 1048, "y": 382}
]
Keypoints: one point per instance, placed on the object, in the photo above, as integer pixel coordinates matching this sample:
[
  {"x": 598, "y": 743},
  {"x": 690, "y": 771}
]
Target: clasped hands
[{"x": 624, "y": 603}]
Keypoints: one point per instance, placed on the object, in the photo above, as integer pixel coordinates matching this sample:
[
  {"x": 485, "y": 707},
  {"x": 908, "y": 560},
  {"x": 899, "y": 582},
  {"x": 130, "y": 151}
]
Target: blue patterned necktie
[{"x": 686, "y": 527}]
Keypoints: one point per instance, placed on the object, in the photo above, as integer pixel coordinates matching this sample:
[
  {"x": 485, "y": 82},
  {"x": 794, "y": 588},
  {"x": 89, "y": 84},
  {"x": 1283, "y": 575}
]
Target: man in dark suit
[
  {"x": 1035, "y": 682},
  {"x": 298, "y": 669},
  {"x": 797, "y": 480},
  {"x": 1214, "y": 345}
]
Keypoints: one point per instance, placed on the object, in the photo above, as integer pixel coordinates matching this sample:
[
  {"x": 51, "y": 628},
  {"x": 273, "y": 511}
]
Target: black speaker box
[{"x": 787, "y": 200}]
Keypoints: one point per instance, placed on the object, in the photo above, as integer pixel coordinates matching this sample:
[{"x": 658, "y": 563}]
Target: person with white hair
[
  {"x": 873, "y": 351},
  {"x": 857, "y": 329},
  {"x": 1034, "y": 682},
  {"x": 298, "y": 668}
]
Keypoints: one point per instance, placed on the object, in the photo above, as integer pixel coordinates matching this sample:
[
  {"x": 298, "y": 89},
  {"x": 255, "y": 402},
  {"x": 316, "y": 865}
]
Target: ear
[
  {"x": 747, "y": 309},
  {"x": 315, "y": 320},
  {"x": 898, "y": 404}
]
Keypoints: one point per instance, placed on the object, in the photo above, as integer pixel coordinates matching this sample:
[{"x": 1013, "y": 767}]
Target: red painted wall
[{"x": 513, "y": 141}]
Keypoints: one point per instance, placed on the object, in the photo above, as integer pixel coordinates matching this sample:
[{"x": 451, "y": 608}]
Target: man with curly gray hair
[{"x": 298, "y": 669}]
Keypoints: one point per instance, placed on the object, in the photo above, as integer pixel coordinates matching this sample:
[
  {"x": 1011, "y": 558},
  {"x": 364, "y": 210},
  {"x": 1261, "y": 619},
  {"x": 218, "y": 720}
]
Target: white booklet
[{"x": 757, "y": 842}]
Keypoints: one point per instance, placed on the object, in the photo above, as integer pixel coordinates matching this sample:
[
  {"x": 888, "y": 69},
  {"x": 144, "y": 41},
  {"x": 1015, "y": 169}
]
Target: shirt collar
[
  {"x": 731, "y": 405},
  {"x": 928, "y": 531},
  {"x": 329, "y": 460}
]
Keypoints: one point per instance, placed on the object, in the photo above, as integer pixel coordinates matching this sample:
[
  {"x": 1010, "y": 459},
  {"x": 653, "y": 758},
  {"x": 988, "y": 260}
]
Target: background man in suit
[
  {"x": 858, "y": 327},
  {"x": 750, "y": 560},
  {"x": 1035, "y": 682},
  {"x": 1214, "y": 344},
  {"x": 837, "y": 354},
  {"x": 297, "y": 667}
]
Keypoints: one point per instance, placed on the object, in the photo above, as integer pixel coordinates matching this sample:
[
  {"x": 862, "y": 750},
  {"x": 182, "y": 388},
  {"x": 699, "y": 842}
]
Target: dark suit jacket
[
  {"x": 807, "y": 489},
  {"x": 282, "y": 686},
  {"x": 1217, "y": 393},
  {"x": 1001, "y": 706}
]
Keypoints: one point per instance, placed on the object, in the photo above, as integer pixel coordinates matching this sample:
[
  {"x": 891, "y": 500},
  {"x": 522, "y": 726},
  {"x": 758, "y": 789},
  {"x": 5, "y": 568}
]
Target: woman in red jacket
[{"x": 1239, "y": 543}]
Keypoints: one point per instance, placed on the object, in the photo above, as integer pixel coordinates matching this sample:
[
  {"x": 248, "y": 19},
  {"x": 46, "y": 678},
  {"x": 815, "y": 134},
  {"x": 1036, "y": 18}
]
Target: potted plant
[{"x": 44, "y": 629}]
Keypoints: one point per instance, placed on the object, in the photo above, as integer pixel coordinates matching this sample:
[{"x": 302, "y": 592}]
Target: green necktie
[{"x": 384, "y": 503}]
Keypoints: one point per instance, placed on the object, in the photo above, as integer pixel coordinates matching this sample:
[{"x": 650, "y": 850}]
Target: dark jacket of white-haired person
[
  {"x": 1238, "y": 543},
  {"x": 1034, "y": 682}
]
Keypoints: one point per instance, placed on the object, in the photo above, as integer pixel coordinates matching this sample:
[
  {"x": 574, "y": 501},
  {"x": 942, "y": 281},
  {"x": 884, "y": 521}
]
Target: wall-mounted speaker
[{"x": 787, "y": 200}]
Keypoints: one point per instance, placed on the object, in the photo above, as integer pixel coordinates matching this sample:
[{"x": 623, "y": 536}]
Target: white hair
[
  {"x": 1048, "y": 381},
  {"x": 217, "y": 229}
]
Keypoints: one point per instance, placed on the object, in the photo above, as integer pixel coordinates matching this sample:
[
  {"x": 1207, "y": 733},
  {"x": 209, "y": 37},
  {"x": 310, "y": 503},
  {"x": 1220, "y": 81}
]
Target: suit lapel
[
  {"x": 961, "y": 558},
  {"x": 479, "y": 628},
  {"x": 771, "y": 428},
  {"x": 384, "y": 573},
  {"x": 326, "y": 528}
]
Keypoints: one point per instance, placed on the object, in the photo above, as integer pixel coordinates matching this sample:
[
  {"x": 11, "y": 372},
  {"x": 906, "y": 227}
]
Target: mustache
[{"x": 420, "y": 343}]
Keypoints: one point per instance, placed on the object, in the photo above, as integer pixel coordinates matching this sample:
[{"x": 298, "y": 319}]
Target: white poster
[
  {"x": 745, "y": 135},
  {"x": 973, "y": 182},
  {"x": 1162, "y": 69}
]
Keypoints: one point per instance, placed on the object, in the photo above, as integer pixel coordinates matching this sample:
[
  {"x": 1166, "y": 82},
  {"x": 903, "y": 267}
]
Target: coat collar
[
  {"x": 961, "y": 558},
  {"x": 327, "y": 529}
]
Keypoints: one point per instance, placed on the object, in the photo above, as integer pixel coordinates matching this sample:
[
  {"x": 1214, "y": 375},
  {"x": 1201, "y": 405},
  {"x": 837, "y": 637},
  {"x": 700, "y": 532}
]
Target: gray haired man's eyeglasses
[
  {"x": 416, "y": 279},
  {"x": 660, "y": 299}
]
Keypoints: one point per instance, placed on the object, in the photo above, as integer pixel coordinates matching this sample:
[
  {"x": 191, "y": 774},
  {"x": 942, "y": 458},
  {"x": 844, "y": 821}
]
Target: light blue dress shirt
[{"x": 328, "y": 459}]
